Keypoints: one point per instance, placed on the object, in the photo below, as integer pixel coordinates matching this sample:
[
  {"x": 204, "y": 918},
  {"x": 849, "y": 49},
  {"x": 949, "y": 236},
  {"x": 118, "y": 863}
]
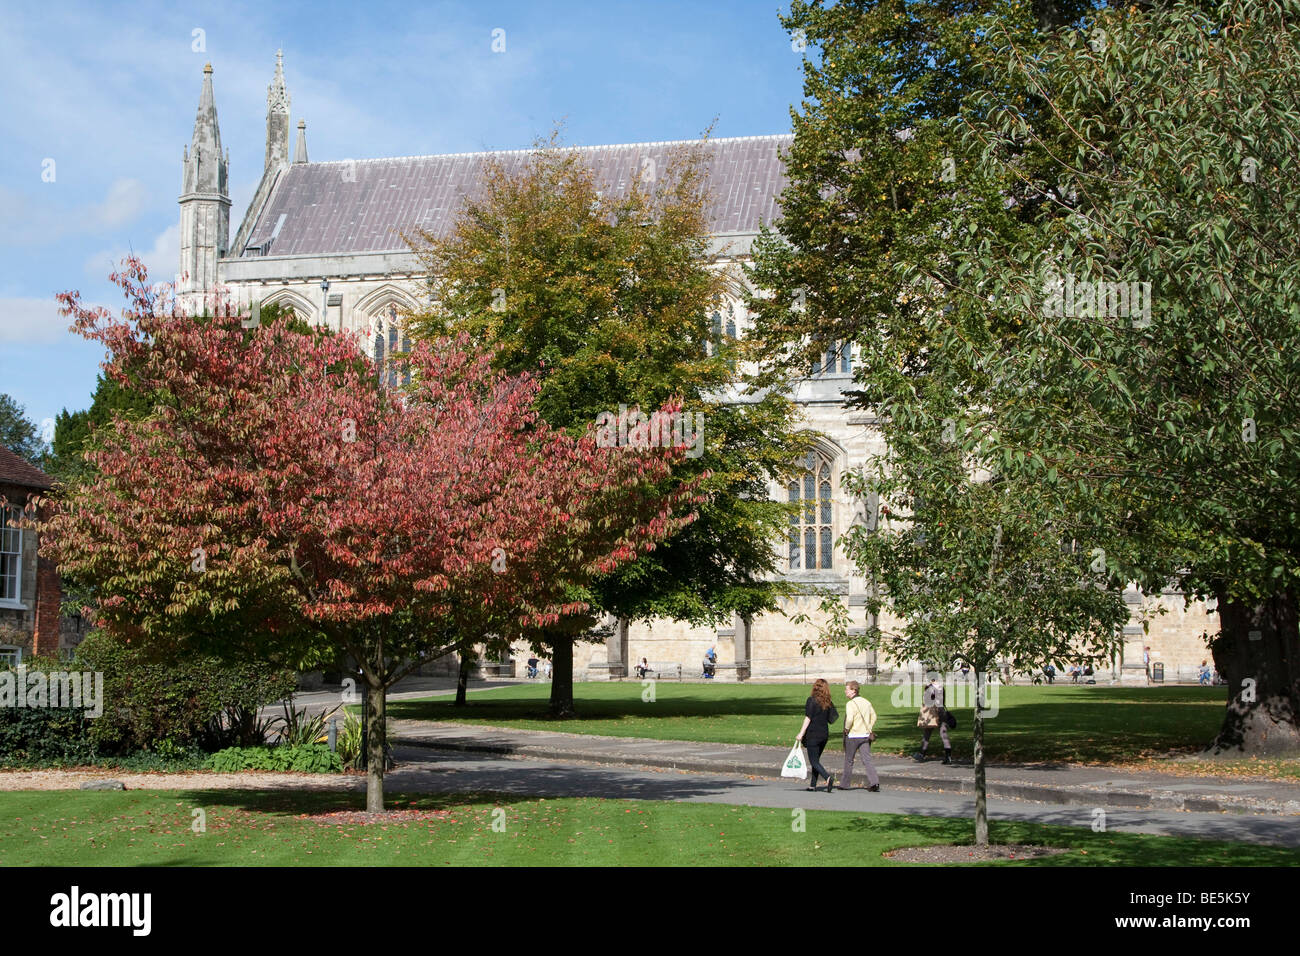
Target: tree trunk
[
  {"x": 977, "y": 738},
  {"x": 1263, "y": 675},
  {"x": 462, "y": 679},
  {"x": 562, "y": 675},
  {"x": 375, "y": 738}
]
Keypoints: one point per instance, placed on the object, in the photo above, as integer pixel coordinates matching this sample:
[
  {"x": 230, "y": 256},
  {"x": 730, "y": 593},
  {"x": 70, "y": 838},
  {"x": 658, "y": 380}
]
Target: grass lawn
[
  {"x": 1068, "y": 722},
  {"x": 252, "y": 828}
]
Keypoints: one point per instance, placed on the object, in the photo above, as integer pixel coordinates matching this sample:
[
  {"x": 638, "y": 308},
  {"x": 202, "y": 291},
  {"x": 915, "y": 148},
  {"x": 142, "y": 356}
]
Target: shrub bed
[{"x": 303, "y": 758}]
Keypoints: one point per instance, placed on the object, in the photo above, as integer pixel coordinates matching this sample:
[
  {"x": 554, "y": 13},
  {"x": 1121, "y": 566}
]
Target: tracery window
[
  {"x": 389, "y": 343},
  {"x": 811, "y": 542},
  {"x": 721, "y": 328}
]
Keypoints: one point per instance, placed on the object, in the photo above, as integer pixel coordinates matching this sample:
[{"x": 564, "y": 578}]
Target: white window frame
[
  {"x": 10, "y": 513},
  {"x": 10, "y": 656}
]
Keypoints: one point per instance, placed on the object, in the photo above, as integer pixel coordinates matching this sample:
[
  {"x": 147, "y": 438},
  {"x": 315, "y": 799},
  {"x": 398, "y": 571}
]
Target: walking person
[
  {"x": 818, "y": 714},
  {"x": 859, "y": 718},
  {"x": 933, "y": 714}
]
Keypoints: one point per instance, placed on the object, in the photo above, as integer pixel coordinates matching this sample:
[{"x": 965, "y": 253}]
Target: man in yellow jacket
[{"x": 859, "y": 718}]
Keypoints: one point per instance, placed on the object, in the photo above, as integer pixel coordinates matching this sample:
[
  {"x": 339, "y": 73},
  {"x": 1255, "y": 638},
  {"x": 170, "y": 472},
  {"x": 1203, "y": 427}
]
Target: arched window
[
  {"x": 721, "y": 328},
  {"x": 811, "y": 541},
  {"x": 389, "y": 343}
]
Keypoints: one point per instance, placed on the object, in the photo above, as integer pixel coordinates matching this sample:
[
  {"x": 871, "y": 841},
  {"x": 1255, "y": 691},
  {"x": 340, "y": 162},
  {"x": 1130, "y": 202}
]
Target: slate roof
[
  {"x": 16, "y": 471},
  {"x": 325, "y": 214}
]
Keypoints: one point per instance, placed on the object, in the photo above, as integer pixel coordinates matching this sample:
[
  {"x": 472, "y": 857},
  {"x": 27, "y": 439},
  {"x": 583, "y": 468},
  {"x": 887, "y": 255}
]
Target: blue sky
[{"x": 108, "y": 92}]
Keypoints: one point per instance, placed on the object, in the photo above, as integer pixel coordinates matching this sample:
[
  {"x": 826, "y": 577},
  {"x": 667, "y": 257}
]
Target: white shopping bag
[{"x": 795, "y": 764}]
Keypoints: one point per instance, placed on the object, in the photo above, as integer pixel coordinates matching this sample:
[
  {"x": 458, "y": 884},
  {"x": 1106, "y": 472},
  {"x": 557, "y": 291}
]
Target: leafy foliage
[
  {"x": 609, "y": 300},
  {"x": 298, "y": 758},
  {"x": 19, "y": 434},
  {"x": 300, "y": 726},
  {"x": 154, "y": 702},
  {"x": 282, "y": 499}
]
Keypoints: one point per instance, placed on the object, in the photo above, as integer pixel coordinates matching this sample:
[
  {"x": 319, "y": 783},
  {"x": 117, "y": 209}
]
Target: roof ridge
[{"x": 531, "y": 149}]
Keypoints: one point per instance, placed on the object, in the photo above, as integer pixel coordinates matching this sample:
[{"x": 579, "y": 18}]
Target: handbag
[
  {"x": 795, "y": 764},
  {"x": 871, "y": 734},
  {"x": 950, "y": 719}
]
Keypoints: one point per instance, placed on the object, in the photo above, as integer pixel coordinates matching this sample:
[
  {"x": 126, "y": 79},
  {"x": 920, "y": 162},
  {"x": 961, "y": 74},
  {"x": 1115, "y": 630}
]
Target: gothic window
[
  {"x": 11, "y": 555},
  {"x": 389, "y": 343},
  {"x": 811, "y": 544},
  {"x": 723, "y": 327}
]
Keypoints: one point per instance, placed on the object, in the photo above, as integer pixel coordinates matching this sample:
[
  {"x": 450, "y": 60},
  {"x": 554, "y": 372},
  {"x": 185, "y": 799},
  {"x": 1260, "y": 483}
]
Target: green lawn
[
  {"x": 1057, "y": 723},
  {"x": 252, "y": 828}
]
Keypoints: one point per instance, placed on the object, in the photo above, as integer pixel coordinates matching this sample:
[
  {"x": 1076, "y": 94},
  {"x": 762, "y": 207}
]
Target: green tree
[
  {"x": 1155, "y": 370},
  {"x": 971, "y": 562},
  {"x": 1144, "y": 155},
  {"x": 610, "y": 299},
  {"x": 976, "y": 570},
  {"x": 17, "y": 433}
]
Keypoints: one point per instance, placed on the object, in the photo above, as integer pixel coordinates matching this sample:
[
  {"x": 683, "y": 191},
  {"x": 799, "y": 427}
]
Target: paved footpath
[
  {"x": 424, "y": 770},
  {"x": 1060, "y": 784}
]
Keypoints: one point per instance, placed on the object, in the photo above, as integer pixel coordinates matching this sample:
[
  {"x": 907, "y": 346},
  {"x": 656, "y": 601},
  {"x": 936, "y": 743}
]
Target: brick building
[{"x": 29, "y": 584}]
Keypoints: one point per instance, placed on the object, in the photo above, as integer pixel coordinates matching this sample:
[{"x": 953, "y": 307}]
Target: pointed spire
[
  {"x": 277, "y": 118},
  {"x": 205, "y": 164},
  {"x": 277, "y": 94},
  {"x": 300, "y": 151}
]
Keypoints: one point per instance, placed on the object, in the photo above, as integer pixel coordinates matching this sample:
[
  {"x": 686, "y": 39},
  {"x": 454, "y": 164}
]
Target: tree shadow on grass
[
  {"x": 293, "y": 803},
  {"x": 1087, "y": 848},
  {"x": 777, "y": 704}
]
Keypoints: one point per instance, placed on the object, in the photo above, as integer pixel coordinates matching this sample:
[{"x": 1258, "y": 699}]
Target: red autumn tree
[{"x": 282, "y": 494}]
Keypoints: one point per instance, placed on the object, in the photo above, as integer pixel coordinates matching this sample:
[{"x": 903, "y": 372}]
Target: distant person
[
  {"x": 643, "y": 668},
  {"x": 933, "y": 714},
  {"x": 1050, "y": 673},
  {"x": 1204, "y": 675},
  {"x": 710, "y": 663},
  {"x": 859, "y": 719},
  {"x": 1075, "y": 673},
  {"x": 546, "y": 669},
  {"x": 818, "y": 714},
  {"x": 1146, "y": 662},
  {"x": 532, "y": 667}
]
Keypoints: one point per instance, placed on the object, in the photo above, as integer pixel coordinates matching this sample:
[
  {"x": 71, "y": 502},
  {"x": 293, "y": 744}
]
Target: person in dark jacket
[{"x": 819, "y": 713}]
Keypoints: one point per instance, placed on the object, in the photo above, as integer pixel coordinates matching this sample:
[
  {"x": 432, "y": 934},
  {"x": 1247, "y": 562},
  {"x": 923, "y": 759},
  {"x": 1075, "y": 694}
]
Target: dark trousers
[
  {"x": 815, "y": 748},
  {"x": 852, "y": 747}
]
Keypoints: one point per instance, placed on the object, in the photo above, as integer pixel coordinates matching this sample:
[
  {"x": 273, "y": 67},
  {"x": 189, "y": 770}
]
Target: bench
[
  {"x": 608, "y": 668},
  {"x": 658, "y": 670},
  {"x": 740, "y": 667},
  {"x": 486, "y": 669}
]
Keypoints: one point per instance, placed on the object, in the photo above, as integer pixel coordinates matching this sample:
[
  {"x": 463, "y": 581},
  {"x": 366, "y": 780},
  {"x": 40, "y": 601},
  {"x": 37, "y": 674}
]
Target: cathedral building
[{"x": 326, "y": 238}]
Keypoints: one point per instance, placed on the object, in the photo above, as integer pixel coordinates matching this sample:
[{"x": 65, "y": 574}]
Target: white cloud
[
  {"x": 161, "y": 259},
  {"x": 27, "y": 221},
  {"x": 32, "y": 322},
  {"x": 125, "y": 200}
]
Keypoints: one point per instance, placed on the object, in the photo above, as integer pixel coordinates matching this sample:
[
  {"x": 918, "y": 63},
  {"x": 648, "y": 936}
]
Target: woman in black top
[{"x": 819, "y": 714}]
